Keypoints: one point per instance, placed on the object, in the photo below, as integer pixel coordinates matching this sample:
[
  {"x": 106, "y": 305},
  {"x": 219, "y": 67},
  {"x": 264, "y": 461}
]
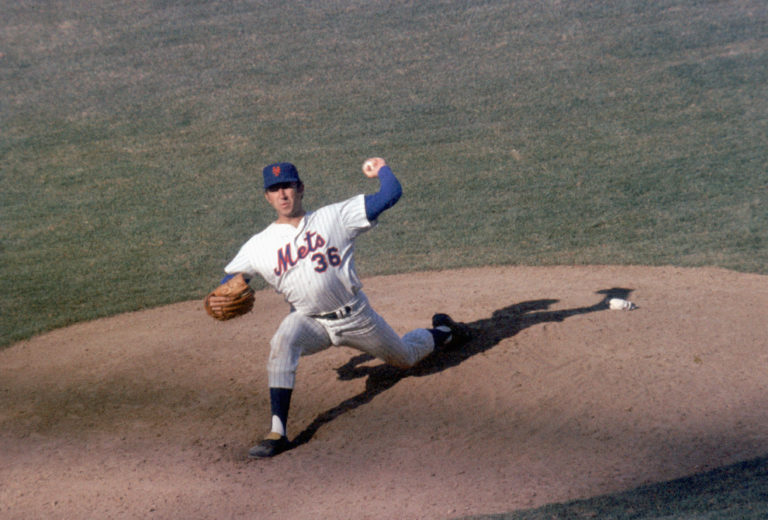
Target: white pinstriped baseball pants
[{"x": 299, "y": 335}]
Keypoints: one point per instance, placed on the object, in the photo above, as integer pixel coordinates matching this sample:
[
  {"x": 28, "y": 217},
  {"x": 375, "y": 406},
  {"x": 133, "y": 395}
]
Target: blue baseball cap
[{"x": 280, "y": 172}]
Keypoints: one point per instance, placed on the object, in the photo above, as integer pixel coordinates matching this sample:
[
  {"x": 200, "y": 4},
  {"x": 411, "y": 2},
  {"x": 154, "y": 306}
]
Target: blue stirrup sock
[
  {"x": 280, "y": 402},
  {"x": 441, "y": 335}
]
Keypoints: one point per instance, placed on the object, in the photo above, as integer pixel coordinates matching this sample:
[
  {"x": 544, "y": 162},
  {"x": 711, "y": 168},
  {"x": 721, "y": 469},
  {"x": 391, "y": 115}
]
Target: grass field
[
  {"x": 735, "y": 492},
  {"x": 132, "y": 136}
]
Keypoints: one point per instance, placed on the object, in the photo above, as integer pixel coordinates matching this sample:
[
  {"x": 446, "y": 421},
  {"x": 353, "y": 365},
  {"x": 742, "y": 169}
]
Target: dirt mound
[{"x": 149, "y": 414}]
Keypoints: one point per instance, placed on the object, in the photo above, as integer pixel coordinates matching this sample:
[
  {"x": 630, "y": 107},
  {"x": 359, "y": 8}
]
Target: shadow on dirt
[{"x": 486, "y": 334}]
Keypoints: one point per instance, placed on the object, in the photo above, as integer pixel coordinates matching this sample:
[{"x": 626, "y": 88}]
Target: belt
[{"x": 335, "y": 315}]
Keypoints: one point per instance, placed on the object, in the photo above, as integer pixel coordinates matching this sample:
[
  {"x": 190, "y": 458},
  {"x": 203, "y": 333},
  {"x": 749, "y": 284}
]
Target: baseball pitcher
[{"x": 308, "y": 257}]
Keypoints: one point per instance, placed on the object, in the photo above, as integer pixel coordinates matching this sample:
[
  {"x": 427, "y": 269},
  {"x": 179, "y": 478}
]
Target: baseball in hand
[{"x": 371, "y": 167}]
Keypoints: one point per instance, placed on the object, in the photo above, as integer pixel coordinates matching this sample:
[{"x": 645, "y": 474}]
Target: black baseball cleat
[
  {"x": 460, "y": 332},
  {"x": 273, "y": 444}
]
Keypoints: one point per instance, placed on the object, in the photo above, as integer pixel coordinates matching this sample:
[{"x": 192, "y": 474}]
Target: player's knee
[
  {"x": 403, "y": 361},
  {"x": 282, "y": 345},
  {"x": 401, "y": 364}
]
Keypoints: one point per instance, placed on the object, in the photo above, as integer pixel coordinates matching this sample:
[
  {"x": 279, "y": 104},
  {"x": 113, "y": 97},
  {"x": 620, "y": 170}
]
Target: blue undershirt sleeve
[
  {"x": 389, "y": 193},
  {"x": 228, "y": 277}
]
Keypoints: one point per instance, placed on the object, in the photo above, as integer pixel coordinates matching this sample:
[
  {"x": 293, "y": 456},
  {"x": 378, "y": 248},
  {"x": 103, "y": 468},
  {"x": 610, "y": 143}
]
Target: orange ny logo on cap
[{"x": 276, "y": 170}]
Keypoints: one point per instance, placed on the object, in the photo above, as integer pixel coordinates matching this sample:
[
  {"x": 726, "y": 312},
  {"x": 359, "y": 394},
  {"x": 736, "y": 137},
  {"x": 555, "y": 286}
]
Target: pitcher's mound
[{"x": 150, "y": 414}]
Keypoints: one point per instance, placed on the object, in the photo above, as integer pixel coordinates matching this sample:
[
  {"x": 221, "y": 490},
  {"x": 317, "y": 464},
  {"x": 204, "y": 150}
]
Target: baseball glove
[{"x": 231, "y": 299}]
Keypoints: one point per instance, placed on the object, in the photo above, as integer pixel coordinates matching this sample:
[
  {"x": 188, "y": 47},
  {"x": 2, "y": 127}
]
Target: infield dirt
[{"x": 150, "y": 414}]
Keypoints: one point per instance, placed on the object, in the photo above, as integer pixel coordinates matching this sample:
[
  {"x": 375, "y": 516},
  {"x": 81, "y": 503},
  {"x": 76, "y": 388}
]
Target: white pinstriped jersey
[{"x": 311, "y": 265}]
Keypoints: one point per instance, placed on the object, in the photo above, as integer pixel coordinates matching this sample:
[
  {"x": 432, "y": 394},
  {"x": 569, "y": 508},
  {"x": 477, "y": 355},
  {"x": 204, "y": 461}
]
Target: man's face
[{"x": 286, "y": 197}]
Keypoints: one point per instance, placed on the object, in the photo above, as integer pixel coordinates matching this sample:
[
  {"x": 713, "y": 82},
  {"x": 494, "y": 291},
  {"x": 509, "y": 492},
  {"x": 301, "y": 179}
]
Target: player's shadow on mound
[{"x": 486, "y": 334}]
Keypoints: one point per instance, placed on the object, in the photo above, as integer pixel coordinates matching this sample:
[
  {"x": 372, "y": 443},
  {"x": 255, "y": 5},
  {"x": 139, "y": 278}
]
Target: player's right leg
[{"x": 373, "y": 335}]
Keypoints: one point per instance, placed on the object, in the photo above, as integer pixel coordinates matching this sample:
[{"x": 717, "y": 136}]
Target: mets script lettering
[{"x": 312, "y": 243}]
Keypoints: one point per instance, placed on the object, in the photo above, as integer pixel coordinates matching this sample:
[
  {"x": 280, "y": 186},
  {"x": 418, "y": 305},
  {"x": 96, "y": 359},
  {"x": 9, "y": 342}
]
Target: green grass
[
  {"x": 739, "y": 491},
  {"x": 132, "y": 136}
]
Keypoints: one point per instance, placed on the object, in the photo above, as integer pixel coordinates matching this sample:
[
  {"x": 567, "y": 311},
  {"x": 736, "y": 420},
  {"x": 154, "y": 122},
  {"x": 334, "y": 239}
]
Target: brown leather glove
[{"x": 231, "y": 299}]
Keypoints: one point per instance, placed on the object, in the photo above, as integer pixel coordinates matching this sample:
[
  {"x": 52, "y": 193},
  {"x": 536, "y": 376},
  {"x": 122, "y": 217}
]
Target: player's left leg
[{"x": 297, "y": 335}]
